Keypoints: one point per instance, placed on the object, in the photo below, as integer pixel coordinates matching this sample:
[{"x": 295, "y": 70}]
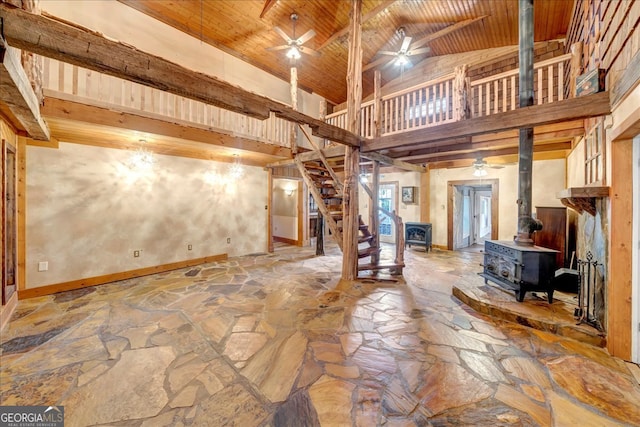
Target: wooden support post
[
  {"x": 619, "y": 288},
  {"x": 374, "y": 223},
  {"x": 576, "y": 66},
  {"x": 425, "y": 196},
  {"x": 461, "y": 84},
  {"x": 377, "y": 104},
  {"x": 352, "y": 154},
  {"x": 320, "y": 234},
  {"x": 270, "y": 211},
  {"x": 31, "y": 62},
  {"x": 322, "y": 116},
  {"x": 293, "y": 137}
]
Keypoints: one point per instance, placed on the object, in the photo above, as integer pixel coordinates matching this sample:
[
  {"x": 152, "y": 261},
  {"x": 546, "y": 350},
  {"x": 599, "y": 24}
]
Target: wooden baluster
[
  {"x": 504, "y": 95},
  {"x": 513, "y": 92},
  {"x": 550, "y": 90},
  {"x": 487, "y": 107},
  {"x": 496, "y": 107},
  {"x": 560, "y": 81},
  {"x": 74, "y": 80},
  {"x": 540, "y": 85},
  {"x": 60, "y": 76}
]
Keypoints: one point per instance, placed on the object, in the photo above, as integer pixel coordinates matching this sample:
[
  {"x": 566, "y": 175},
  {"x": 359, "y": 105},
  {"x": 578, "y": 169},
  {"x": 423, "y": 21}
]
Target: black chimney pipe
[{"x": 526, "y": 224}]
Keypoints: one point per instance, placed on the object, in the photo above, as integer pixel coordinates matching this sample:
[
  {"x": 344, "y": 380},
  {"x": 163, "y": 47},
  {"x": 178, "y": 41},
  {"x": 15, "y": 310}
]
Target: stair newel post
[
  {"x": 576, "y": 66},
  {"x": 374, "y": 222},
  {"x": 352, "y": 154},
  {"x": 399, "y": 260}
]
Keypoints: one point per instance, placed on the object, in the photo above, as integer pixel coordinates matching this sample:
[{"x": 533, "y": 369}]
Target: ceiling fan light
[
  {"x": 402, "y": 59},
  {"x": 293, "y": 53},
  {"x": 480, "y": 172}
]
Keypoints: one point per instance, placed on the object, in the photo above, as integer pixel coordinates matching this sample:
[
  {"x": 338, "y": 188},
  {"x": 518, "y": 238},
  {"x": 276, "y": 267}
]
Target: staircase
[{"x": 326, "y": 189}]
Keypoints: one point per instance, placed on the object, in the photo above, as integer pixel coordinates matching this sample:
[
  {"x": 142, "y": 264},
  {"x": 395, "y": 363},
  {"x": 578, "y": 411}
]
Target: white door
[
  {"x": 387, "y": 200},
  {"x": 482, "y": 229}
]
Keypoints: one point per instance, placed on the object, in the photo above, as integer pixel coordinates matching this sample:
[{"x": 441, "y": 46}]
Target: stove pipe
[{"x": 526, "y": 224}]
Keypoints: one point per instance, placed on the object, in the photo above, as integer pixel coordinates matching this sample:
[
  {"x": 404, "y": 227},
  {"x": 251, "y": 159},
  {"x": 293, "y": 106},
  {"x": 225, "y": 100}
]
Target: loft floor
[{"x": 276, "y": 339}]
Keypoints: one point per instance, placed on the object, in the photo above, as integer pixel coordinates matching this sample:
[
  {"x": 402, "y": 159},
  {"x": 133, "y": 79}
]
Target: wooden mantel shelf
[{"x": 582, "y": 199}]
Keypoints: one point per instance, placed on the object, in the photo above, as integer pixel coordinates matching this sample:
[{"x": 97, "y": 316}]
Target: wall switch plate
[
  {"x": 43, "y": 266},
  {"x": 228, "y": 239},
  {"x": 189, "y": 247},
  {"x": 136, "y": 254}
]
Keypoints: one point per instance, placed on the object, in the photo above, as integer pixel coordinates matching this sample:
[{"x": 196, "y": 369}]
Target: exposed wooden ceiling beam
[
  {"x": 329, "y": 153},
  {"x": 445, "y": 31},
  {"x": 501, "y": 152},
  {"x": 395, "y": 162},
  {"x": 365, "y": 17},
  {"x": 17, "y": 94},
  {"x": 80, "y": 112},
  {"x": 536, "y": 115},
  {"x": 268, "y": 4},
  {"x": 85, "y": 48}
]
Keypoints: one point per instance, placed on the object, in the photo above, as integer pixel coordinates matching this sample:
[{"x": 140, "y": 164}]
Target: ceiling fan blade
[
  {"x": 281, "y": 47},
  {"x": 306, "y": 36},
  {"x": 308, "y": 51},
  {"x": 419, "y": 51},
  {"x": 388, "y": 52},
  {"x": 375, "y": 63},
  {"x": 405, "y": 44},
  {"x": 282, "y": 34}
]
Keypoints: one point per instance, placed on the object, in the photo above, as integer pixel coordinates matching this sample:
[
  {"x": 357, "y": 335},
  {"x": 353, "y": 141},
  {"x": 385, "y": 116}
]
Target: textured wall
[
  {"x": 548, "y": 179},
  {"x": 87, "y": 212}
]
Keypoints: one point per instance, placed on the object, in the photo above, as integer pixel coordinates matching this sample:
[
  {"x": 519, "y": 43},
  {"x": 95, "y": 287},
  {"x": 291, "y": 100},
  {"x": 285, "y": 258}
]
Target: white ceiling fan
[
  {"x": 294, "y": 46},
  {"x": 402, "y": 55},
  {"x": 480, "y": 167}
]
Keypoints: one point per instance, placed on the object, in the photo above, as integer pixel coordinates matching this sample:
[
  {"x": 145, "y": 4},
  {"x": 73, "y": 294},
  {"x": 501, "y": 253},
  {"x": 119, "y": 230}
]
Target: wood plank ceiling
[{"x": 237, "y": 27}]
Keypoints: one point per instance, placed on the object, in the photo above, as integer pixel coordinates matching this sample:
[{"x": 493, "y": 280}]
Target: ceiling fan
[
  {"x": 401, "y": 56},
  {"x": 480, "y": 167},
  {"x": 294, "y": 46}
]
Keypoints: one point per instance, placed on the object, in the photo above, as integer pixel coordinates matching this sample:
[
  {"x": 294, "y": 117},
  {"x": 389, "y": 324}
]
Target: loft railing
[
  {"x": 90, "y": 87},
  {"x": 499, "y": 93},
  {"x": 454, "y": 97}
]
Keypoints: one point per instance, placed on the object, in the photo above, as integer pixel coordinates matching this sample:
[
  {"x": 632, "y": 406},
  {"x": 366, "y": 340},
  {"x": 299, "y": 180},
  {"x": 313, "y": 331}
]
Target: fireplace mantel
[{"x": 582, "y": 199}]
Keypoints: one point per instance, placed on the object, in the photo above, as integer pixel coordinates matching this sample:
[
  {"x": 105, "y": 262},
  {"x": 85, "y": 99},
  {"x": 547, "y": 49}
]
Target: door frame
[
  {"x": 494, "y": 183},
  {"x": 5, "y": 149},
  {"x": 635, "y": 268},
  {"x": 396, "y": 207}
]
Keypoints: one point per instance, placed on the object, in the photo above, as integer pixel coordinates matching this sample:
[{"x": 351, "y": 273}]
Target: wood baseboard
[
  {"x": 114, "y": 277},
  {"x": 7, "y": 310},
  {"x": 285, "y": 240},
  {"x": 441, "y": 247}
]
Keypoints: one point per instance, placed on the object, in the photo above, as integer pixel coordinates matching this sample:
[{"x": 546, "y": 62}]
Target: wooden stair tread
[
  {"x": 362, "y": 267},
  {"x": 365, "y": 252},
  {"x": 363, "y": 239}
]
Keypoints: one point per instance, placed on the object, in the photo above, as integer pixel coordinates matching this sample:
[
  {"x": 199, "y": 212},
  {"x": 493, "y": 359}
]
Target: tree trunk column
[
  {"x": 526, "y": 224},
  {"x": 352, "y": 154}
]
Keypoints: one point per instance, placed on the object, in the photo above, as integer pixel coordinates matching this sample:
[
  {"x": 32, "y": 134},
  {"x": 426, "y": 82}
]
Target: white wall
[
  {"x": 87, "y": 212},
  {"x": 548, "y": 179}
]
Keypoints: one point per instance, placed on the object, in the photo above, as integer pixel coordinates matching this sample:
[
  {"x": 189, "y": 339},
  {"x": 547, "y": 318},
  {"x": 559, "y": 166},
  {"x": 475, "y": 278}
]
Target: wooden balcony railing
[
  {"x": 99, "y": 89},
  {"x": 454, "y": 97}
]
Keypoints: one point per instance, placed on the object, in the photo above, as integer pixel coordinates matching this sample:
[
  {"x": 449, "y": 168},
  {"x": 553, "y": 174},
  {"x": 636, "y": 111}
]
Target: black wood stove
[
  {"x": 519, "y": 268},
  {"x": 418, "y": 233}
]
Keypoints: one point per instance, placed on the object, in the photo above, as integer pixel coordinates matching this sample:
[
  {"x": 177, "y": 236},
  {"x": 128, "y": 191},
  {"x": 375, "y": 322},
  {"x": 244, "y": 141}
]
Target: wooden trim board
[{"x": 108, "y": 278}]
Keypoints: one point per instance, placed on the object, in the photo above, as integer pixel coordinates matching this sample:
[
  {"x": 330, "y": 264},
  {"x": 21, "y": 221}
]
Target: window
[{"x": 594, "y": 163}]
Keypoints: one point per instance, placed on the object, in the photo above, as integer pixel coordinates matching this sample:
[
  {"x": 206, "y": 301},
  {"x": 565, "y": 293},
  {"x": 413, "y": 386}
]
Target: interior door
[
  {"x": 387, "y": 200},
  {"x": 482, "y": 229},
  {"x": 9, "y": 222}
]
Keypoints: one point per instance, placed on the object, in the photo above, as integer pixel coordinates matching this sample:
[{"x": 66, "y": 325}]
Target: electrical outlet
[
  {"x": 136, "y": 254},
  {"x": 189, "y": 247},
  {"x": 228, "y": 239},
  {"x": 43, "y": 266}
]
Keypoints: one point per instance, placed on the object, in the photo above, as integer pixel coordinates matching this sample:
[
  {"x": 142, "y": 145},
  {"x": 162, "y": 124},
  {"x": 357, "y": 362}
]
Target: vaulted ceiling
[{"x": 245, "y": 28}]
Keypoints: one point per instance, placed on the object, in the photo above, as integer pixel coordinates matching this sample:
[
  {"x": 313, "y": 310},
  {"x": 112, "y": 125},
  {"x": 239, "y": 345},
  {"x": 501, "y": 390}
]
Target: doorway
[
  {"x": 472, "y": 213},
  {"x": 387, "y": 200},
  {"x": 9, "y": 222}
]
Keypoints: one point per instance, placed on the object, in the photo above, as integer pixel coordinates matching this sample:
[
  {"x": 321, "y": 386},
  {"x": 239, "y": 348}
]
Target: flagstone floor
[{"x": 278, "y": 340}]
